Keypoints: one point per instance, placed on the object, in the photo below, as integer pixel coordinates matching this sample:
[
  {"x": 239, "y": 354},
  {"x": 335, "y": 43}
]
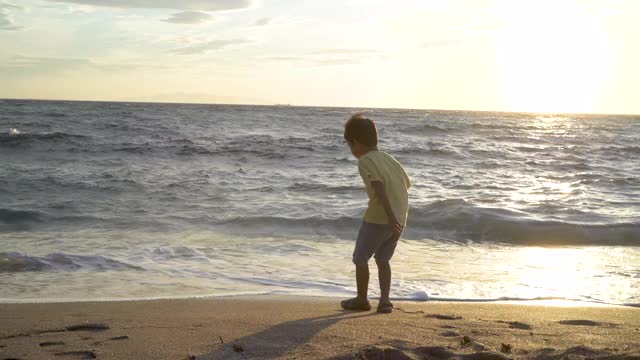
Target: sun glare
[
  {"x": 552, "y": 56},
  {"x": 560, "y": 270}
]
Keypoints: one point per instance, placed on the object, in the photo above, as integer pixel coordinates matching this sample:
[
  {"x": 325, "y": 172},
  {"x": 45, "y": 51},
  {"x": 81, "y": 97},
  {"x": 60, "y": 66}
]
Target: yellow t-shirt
[{"x": 377, "y": 165}]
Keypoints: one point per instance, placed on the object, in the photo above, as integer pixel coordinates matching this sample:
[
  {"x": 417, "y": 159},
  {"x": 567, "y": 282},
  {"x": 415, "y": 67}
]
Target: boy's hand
[
  {"x": 397, "y": 227},
  {"x": 378, "y": 187}
]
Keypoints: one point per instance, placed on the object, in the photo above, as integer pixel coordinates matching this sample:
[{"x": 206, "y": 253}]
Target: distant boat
[{"x": 282, "y": 105}]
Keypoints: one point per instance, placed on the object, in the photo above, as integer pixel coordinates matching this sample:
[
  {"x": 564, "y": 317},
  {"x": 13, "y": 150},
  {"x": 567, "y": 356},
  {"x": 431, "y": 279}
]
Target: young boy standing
[{"x": 387, "y": 186}]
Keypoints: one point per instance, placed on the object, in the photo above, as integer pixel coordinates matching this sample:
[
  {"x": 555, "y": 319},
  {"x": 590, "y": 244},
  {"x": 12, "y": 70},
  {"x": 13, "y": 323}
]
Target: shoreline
[
  {"x": 299, "y": 327},
  {"x": 543, "y": 301}
]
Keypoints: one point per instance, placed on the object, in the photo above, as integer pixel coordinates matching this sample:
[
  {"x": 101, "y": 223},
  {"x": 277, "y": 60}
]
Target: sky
[{"x": 495, "y": 55}]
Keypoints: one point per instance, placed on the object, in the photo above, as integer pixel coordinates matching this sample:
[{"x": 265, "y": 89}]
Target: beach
[
  {"x": 195, "y": 231},
  {"x": 294, "y": 327}
]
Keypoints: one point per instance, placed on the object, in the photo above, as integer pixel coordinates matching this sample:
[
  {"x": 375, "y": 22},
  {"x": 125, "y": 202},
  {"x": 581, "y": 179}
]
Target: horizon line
[{"x": 319, "y": 106}]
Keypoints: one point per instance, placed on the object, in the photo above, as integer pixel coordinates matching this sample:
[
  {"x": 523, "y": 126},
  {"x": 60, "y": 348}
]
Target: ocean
[{"x": 115, "y": 201}]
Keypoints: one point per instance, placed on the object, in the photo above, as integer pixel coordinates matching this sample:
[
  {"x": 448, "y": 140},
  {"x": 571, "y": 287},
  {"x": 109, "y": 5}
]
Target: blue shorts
[{"x": 375, "y": 239}]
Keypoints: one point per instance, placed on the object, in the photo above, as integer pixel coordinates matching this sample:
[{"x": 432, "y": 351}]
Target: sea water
[{"x": 102, "y": 201}]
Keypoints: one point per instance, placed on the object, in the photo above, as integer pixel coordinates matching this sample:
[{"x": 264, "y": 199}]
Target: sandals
[
  {"x": 385, "y": 308},
  {"x": 355, "y": 304},
  {"x": 359, "y": 305}
]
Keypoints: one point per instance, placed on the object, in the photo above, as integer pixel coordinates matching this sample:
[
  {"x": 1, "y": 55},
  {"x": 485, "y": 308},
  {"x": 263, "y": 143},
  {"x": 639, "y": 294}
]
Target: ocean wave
[
  {"x": 282, "y": 226},
  {"x": 345, "y": 160},
  {"x": 487, "y": 126},
  {"x": 55, "y": 114},
  {"x": 257, "y": 221},
  {"x": 12, "y": 219},
  {"x": 492, "y": 126},
  {"x": 262, "y": 146},
  {"x": 632, "y": 149},
  {"x": 12, "y": 262},
  {"x": 425, "y": 130},
  {"x": 180, "y": 253},
  {"x": 29, "y": 139},
  {"x": 10, "y": 216},
  {"x": 458, "y": 221},
  {"x": 624, "y": 180},
  {"x": 461, "y": 221},
  {"x": 622, "y": 149},
  {"x": 267, "y": 146},
  {"x": 324, "y": 188},
  {"x": 186, "y": 150},
  {"x": 177, "y": 148},
  {"x": 104, "y": 182},
  {"x": 522, "y": 139},
  {"x": 433, "y": 150},
  {"x": 530, "y": 149}
]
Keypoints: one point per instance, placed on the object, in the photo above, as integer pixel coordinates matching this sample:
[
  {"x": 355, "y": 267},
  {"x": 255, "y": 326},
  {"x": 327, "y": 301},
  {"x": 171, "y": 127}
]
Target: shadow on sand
[{"x": 279, "y": 339}]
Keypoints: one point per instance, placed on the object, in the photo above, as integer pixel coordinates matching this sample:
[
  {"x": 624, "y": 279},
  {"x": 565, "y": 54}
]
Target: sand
[{"x": 308, "y": 328}]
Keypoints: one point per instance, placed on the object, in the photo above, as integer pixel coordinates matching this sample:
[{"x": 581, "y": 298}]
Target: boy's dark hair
[{"x": 361, "y": 128}]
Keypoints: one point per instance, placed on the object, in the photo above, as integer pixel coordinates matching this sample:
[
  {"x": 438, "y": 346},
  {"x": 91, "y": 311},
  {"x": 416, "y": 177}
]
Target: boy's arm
[{"x": 378, "y": 187}]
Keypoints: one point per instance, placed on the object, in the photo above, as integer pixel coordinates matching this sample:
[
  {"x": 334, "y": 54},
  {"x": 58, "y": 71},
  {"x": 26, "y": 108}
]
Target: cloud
[
  {"x": 208, "y": 46},
  {"x": 439, "y": 44},
  {"x": 346, "y": 52},
  {"x": 263, "y": 21},
  {"x": 4, "y": 5},
  {"x": 201, "y": 5},
  {"x": 189, "y": 17},
  {"x": 79, "y": 10},
  {"x": 331, "y": 57},
  {"x": 18, "y": 62},
  {"x": 6, "y": 21},
  {"x": 269, "y": 21},
  {"x": 282, "y": 58}
]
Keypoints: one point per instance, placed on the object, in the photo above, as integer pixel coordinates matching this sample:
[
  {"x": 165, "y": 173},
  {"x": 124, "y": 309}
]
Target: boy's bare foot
[
  {"x": 355, "y": 304},
  {"x": 385, "y": 307}
]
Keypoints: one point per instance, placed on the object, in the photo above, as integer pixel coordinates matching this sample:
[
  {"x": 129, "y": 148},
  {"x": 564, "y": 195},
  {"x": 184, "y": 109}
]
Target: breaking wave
[
  {"x": 455, "y": 220},
  {"x": 11, "y": 262}
]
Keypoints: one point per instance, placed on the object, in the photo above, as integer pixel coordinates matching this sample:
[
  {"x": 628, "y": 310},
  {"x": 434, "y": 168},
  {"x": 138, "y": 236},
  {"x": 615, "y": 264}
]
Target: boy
[{"x": 387, "y": 186}]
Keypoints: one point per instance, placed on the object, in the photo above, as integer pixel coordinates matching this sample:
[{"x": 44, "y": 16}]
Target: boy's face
[{"x": 357, "y": 149}]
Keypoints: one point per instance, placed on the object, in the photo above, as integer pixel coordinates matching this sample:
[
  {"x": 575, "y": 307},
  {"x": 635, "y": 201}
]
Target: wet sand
[{"x": 308, "y": 328}]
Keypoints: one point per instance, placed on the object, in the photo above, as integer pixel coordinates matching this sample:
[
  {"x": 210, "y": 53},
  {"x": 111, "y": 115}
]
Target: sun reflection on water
[{"x": 558, "y": 270}]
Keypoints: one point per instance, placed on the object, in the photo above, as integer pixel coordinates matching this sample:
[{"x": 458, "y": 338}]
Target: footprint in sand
[
  {"x": 410, "y": 312},
  {"x": 516, "y": 325},
  {"x": 117, "y": 338},
  {"x": 577, "y": 352},
  {"x": 449, "y": 334},
  {"x": 82, "y": 355},
  {"x": 40, "y": 332},
  {"x": 36, "y": 332},
  {"x": 51, "y": 343},
  {"x": 88, "y": 327},
  {"x": 444, "y": 317},
  {"x": 587, "y": 323},
  {"x": 422, "y": 352},
  {"x": 579, "y": 322}
]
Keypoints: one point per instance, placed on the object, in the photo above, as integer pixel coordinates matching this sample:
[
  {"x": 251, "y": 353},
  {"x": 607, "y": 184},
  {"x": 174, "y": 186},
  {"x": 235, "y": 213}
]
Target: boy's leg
[
  {"x": 362, "y": 281},
  {"x": 370, "y": 237},
  {"x": 383, "y": 255},
  {"x": 384, "y": 275},
  {"x": 366, "y": 245}
]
